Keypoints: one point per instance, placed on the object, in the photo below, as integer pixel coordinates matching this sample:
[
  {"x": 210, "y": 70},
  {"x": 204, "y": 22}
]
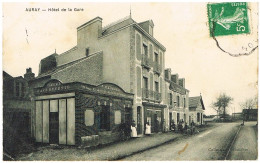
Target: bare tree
[
  {"x": 222, "y": 102},
  {"x": 217, "y": 109},
  {"x": 249, "y": 103}
]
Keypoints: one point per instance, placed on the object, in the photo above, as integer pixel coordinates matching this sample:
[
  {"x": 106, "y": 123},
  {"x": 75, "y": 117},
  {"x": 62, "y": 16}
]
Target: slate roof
[
  {"x": 194, "y": 102},
  {"x": 117, "y": 25},
  {"x": 62, "y": 67}
]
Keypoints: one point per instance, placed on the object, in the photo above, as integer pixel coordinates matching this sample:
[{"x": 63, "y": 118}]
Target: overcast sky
[{"x": 181, "y": 27}]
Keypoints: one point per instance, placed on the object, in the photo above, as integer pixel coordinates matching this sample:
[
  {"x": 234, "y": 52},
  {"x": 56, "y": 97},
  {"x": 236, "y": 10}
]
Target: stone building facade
[{"x": 178, "y": 98}]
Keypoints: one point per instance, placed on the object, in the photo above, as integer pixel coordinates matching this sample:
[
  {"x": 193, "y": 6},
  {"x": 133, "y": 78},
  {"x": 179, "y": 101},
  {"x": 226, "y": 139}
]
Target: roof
[
  {"x": 110, "y": 28},
  {"x": 250, "y": 111},
  {"x": 63, "y": 67},
  {"x": 6, "y": 75},
  {"x": 194, "y": 102},
  {"x": 48, "y": 63},
  {"x": 117, "y": 25}
]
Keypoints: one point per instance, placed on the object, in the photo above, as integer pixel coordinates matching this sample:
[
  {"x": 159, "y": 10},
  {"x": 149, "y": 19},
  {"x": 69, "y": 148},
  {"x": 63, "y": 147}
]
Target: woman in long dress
[
  {"x": 147, "y": 128},
  {"x": 133, "y": 130}
]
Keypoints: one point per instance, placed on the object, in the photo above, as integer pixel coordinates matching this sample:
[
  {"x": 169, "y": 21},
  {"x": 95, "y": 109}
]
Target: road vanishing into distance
[{"x": 229, "y": 141}]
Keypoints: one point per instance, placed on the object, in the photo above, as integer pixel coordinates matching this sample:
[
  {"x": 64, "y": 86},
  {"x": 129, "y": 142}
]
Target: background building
[
  {"x": 17, "y": 106},
  {"x": 196, "y": 110},
  {"x": 178, "y": 98}
]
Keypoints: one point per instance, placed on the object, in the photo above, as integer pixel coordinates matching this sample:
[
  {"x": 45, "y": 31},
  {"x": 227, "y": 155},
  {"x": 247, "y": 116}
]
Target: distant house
[
  {"x": 237, "y": 116},
  {"x": 210, "y": 118},
  {"x": 196, "y": 110},
  {"x": 17, "y": 105},
  {"x": 250, "y": 114},
  {"x": 16, "y": 93}
]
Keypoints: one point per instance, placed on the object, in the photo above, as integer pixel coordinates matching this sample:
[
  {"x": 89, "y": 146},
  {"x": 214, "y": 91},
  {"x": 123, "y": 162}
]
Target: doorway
[
  {"x": 170, "y": 116},
  {"x": 139, "y": 120},
  {"x": 54, "y": 128}
]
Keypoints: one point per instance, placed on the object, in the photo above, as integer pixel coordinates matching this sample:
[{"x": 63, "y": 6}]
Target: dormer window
[{"x": 150, "y": 30}]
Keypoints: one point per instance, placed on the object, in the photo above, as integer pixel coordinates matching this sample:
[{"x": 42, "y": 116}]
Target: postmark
[{"x": 232, "y": 20}]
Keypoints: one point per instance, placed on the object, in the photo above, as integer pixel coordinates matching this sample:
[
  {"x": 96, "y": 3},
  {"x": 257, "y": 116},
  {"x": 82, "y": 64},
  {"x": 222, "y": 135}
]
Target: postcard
[{"x": 147, "y": 81}]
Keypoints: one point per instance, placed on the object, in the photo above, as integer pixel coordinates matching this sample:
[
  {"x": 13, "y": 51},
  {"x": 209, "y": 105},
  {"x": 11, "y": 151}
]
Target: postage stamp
[{"x": 228, "y": 18}]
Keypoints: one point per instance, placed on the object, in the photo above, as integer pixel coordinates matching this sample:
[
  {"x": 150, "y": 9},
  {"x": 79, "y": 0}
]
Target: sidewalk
[
  {"x": 114, "y": 151},
  {"x": 245, "y": 146}
]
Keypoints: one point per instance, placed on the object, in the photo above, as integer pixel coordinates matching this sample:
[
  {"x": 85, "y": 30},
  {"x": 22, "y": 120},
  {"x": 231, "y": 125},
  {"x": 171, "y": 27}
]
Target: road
[{"x": 213, "y": 144}]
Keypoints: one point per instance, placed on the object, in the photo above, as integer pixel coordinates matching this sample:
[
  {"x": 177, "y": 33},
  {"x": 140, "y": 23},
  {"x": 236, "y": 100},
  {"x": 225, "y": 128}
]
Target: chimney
[
  {"x": 175, "y": 78},
  {"x": 167, "y": 73},
  {"x": 182, "y": 82},
  {"x": 29, "y": 75},
  {"x": 89, "y": 31}
]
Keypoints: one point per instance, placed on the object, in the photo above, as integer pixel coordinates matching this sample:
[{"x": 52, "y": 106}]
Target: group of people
[
  {"x": 182, "y": 126},
  {"x": 130, "y": 130}
]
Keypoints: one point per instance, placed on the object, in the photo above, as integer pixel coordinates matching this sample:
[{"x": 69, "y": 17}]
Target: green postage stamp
[{"x": 228, "y": 18}]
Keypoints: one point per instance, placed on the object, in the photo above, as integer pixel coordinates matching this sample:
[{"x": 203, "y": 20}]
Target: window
[
  {"x": 87, "y": 52},
  {"x": 17, "y": 89},
  {"x": 170, "y": 96},
  {"x": 178, "y": 101},
  {"x": 156, "y": 58},
  {"x": 89, "y": 117},
  {"x": 145, "y": 50},
  {"x": 23, "y": 89},
  {"x": 156, "y": 84},
  {"x": 198, "y": 117},
  {"x": 117, "y": 117},
  {"x": 145, "y": 82},
  {"x": 178, "y": 117},
  {"x": 104, "y": 118},
  {"x": 145, "y": 87}
]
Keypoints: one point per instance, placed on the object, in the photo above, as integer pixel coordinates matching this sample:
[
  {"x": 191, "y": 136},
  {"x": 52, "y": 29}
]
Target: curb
[{"x": 232, "y": 143}]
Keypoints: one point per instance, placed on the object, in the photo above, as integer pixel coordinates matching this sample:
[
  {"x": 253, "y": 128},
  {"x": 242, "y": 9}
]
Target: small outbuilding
[{"x": 196, "y": 110}]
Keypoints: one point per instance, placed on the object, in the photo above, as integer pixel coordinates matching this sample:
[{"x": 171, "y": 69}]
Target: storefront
[
  {"x": 154, "y": 115},
  {"x": 80, "y": 114}
]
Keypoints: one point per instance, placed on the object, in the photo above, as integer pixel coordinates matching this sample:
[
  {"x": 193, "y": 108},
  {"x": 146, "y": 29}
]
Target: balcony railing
[
  {"x": 157, "y": 96},
  {"x": 157, "y": 67},
  {"x": 146, "y": 93},
  {"x": 151, "y": 95},
  {"x": 145, "y": 61}
]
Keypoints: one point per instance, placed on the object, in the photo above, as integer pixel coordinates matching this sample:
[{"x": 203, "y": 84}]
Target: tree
[
  {"x": 222, "y": 102},
  {"x": 250, "y": 103}
]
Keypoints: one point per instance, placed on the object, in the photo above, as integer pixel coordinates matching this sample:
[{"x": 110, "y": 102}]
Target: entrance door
[
  {"x": 139, "y": 120},
  {"x": 178, "y": 118},
  {"x": 170, "y": 116},
  {"x": 128, "y": 116},
  {"x": 156, "y": 123},
  {"x": 54, "y": 128}
]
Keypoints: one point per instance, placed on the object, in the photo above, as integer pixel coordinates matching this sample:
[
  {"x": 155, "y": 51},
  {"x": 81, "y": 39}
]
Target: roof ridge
[{"x": 116, "y": 22}]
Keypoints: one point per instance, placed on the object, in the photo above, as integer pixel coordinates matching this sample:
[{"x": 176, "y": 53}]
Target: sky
[{"x": 181, "y": 27}]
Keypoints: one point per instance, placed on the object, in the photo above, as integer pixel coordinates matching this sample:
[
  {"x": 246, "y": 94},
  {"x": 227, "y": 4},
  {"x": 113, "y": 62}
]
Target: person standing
[
  {"x": 133, "y": 130},
  {"x": 147, "y": 128}
]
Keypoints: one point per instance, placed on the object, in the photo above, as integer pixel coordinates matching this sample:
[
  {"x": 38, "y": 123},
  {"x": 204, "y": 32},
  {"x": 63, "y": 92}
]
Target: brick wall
[{"x": 89, "y": 70}]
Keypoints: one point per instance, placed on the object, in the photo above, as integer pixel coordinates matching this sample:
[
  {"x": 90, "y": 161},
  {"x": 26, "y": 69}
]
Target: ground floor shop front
[
  {"x": 154, "y": 116},
  {"x": 197, "y": 117},
  {"x": 178, "y": 115},
  {"x": 80, "y": 114}
]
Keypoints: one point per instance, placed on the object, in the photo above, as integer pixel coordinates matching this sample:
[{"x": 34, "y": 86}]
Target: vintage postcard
[{"x": 147, "y": 81}]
